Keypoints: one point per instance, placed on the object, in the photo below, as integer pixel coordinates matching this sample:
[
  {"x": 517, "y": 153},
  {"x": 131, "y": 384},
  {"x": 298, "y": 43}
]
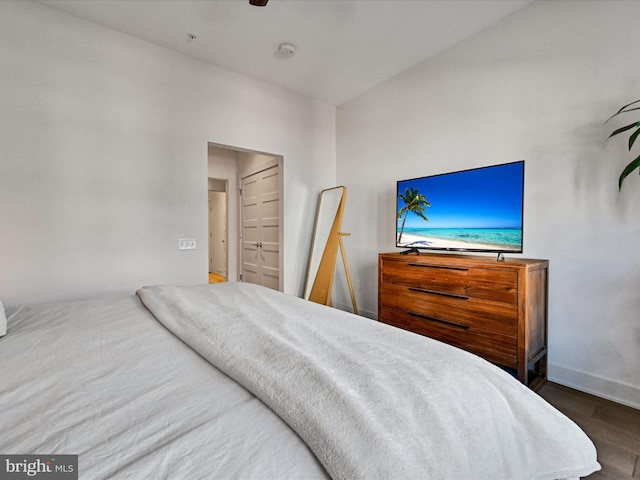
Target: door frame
[{"x": 234, "y": 256}]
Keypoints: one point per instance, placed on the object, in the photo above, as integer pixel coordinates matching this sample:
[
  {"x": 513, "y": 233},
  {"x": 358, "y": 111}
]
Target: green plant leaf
[
  {"x": 629, "y": 104},
  {"x": 623, "y": 129},
  {"x": 623, "y": 110},
  {"x": 633, "y": 136},
  {"x": 627, "y": 170}
]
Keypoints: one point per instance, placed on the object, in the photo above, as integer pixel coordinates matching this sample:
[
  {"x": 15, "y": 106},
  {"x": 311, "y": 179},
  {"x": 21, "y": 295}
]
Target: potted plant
[{"x": 634, "y": 135}]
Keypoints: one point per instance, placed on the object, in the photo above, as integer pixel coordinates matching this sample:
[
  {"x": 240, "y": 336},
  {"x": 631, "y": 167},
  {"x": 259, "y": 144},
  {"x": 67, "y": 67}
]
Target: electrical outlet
[{"x": 186, "y": 244}]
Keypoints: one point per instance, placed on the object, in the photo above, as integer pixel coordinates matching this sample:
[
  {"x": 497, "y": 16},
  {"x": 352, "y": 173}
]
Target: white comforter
[
  {"x": 370, "y": 400},
  {"x": 104, "y": 380}
]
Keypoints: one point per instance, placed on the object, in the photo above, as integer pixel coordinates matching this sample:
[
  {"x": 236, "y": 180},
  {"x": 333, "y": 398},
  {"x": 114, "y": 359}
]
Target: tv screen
[{"x": 477, "y": 210}]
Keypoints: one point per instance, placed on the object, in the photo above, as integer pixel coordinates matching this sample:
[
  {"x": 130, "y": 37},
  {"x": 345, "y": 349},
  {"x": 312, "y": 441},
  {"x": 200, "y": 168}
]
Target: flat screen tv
[{"x": 476, "y": 210}]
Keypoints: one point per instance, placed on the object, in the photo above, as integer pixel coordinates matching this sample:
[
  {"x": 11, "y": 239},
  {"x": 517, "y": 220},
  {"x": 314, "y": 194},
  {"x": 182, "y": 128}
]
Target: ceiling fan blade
[{"x": 258, "y": 3}]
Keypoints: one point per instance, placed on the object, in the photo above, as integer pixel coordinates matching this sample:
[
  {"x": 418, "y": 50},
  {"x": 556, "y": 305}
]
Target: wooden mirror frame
[{"x": 327, "y": 238}]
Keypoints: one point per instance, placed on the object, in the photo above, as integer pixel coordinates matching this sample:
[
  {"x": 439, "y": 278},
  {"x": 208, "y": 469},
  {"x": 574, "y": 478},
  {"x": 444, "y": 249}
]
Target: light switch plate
[{"x": 186, "y": 244}]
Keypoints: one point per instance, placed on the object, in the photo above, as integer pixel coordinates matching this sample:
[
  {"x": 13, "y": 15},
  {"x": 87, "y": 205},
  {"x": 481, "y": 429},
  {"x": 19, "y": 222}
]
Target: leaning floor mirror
[{"x": 327, "y": 239}]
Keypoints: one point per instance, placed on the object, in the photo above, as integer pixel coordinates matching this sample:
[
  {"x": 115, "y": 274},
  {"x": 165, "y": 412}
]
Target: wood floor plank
[
  {"x": 607, "y": 475},
  {"x": 620, "y": 415},
  {"x": 613, "y": 428},
  {"x": 570, "y": 402},
  {"x": 614, "y": 458},
  {"x": 615, "y": 435}
]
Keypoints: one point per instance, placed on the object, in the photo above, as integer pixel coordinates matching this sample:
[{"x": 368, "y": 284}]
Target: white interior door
[
  {"x": 218, "y": 233},
  {"x": 260, "y": 194}
]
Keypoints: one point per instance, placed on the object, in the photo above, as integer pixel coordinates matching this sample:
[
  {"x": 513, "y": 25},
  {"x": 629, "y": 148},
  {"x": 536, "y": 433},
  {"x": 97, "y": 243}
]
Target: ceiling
[{"x": 343, "y": 47}]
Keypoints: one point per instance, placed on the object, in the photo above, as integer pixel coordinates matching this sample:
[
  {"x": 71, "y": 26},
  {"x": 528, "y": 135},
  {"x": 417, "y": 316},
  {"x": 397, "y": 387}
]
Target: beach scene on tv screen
[{"x": 478, "y": 209}]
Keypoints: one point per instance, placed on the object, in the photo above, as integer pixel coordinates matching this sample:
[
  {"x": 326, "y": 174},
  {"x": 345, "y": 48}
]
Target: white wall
[
  {"x": 537, "y": 86},
  {"x": 103, "y": 157}
]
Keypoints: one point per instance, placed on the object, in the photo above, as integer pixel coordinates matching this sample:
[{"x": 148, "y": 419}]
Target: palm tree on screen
[{"x": 414, "y": 202}]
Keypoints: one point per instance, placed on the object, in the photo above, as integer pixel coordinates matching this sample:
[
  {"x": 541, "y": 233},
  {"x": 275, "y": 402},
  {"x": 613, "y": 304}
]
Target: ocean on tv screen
[{"x": 503, "y": 239}]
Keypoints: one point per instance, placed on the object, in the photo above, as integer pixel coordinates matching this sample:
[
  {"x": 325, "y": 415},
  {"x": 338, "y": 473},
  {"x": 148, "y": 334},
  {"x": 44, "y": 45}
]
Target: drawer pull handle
[
  {"x": 423, "y": 290},
  {"x": 438, "y": 266},
  {"x": 438, "y": 320}
]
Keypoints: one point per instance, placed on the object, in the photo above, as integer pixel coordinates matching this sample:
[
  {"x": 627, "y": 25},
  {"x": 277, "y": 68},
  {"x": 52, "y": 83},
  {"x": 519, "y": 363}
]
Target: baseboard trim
[
  {"x": 368, "y": 314},
  {"x": 361, "y": 312},
  {"x": 601, "y": 387}
]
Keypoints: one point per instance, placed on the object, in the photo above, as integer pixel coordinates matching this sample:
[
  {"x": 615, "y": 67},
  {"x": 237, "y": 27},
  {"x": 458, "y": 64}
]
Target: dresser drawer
[
  {"x": 487, "y": 315},
  {"x": 488, "y": 284},
  {"x": 498, "y": 348},
  {"x": 495, "y": 309}
]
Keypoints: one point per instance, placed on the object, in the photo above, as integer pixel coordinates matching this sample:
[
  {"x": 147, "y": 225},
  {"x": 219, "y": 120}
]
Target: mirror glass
[{"x": 329, "y": 213}]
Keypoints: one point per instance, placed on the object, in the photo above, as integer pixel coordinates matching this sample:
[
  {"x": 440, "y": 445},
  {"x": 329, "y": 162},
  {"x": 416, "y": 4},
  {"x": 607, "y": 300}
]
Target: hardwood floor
[
  {"x": 215, "y": 278},
  {"x": 613, "y": 428}
]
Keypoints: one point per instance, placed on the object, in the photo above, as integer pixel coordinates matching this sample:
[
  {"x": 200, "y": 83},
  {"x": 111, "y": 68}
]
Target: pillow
[{"x": 3, "y": 320}]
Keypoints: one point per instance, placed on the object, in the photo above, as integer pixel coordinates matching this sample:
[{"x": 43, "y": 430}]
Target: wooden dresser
[{"x": 495, "y": 309}]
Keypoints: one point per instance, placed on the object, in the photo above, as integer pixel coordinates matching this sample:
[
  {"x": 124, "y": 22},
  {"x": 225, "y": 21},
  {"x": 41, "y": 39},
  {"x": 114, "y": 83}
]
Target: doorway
[
  {"x": 230, "y": 165},
  {"x": 218, "y": 252}
]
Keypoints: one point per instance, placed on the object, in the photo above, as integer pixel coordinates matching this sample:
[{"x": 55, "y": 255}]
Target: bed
[{"x": 234, "y": 380}]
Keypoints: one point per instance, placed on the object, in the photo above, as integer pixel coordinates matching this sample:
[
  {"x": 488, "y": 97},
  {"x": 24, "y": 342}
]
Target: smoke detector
[{"x": 286, "y": 50}]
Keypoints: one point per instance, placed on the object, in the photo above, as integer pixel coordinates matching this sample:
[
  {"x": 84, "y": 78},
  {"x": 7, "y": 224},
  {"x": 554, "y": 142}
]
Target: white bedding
[
  {"x": 104, "y": 380},
  {"x": 370, "y": 400}
]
